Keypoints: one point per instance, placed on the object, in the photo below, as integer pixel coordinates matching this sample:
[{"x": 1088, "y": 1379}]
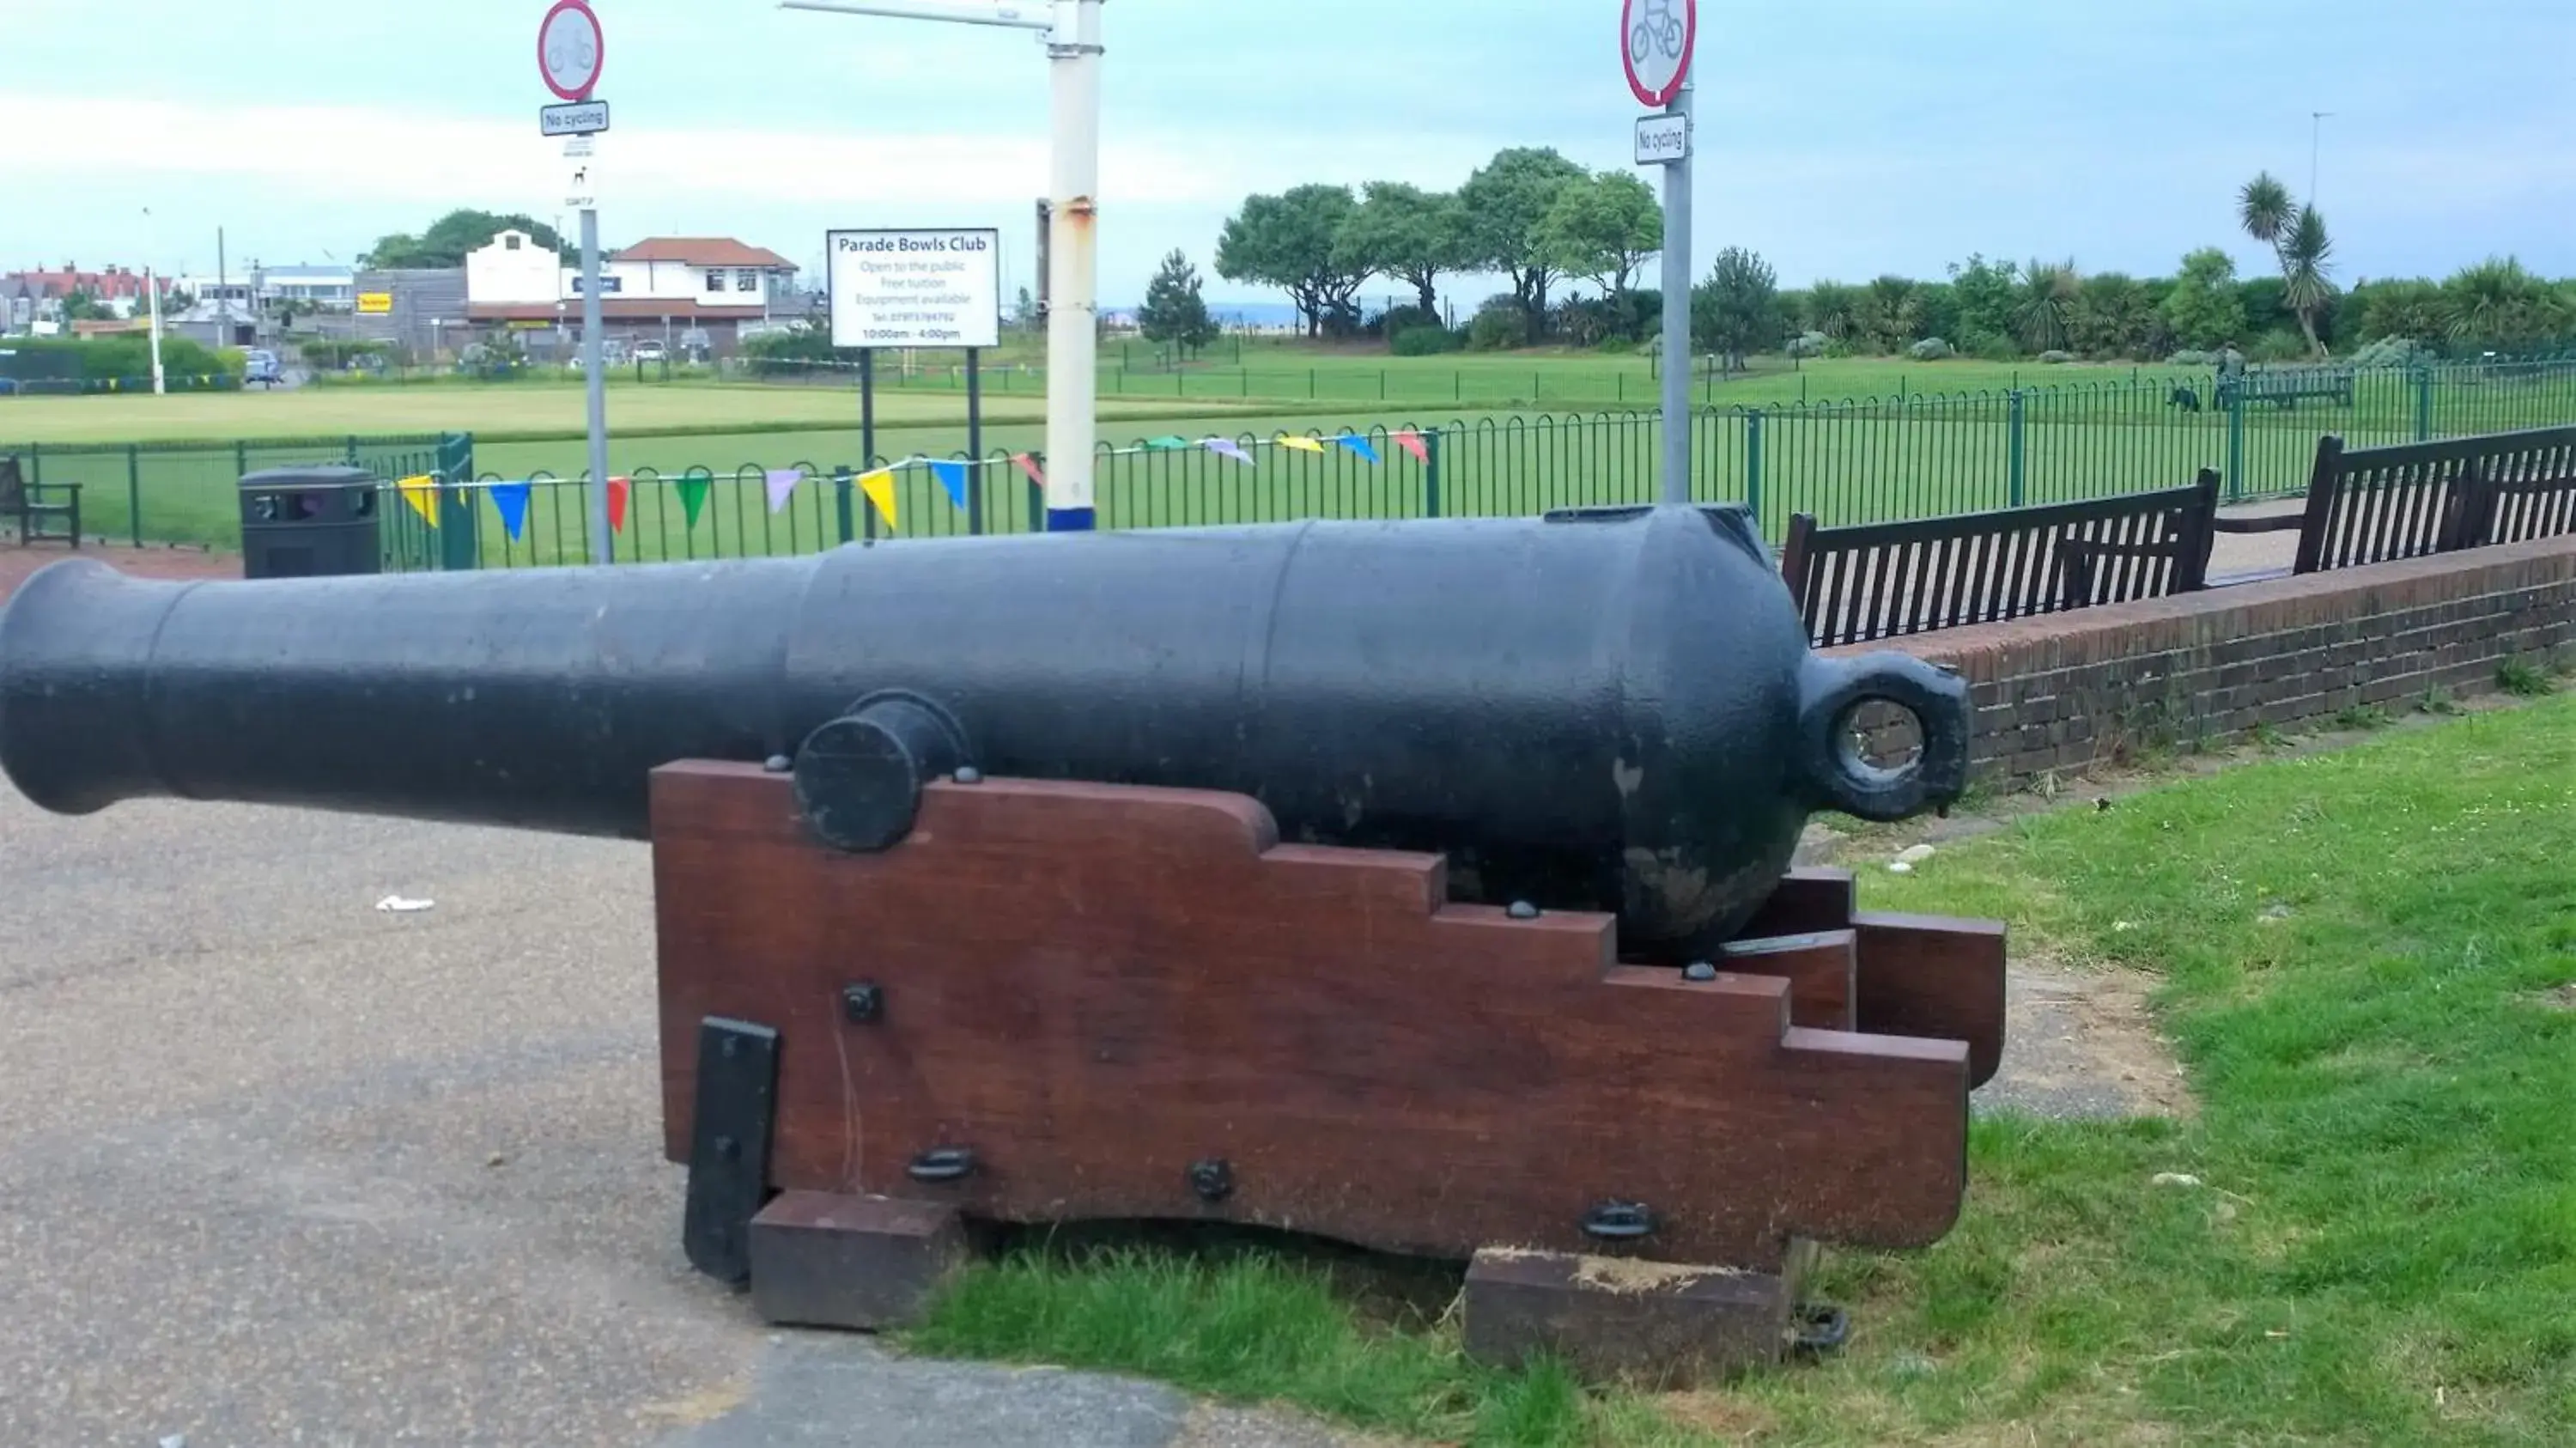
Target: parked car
[
  {"x": 260, "y": 366},
  {"x": 651, "y": 352}
]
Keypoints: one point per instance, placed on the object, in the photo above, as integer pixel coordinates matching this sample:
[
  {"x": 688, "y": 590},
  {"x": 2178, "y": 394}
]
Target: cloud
[{"x": 345, "y": 152}]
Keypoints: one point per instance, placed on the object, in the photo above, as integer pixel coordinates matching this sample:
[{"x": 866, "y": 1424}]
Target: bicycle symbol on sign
[
  {"x": 1657, "y": 28},
  {"x": 569, "y": 51}
]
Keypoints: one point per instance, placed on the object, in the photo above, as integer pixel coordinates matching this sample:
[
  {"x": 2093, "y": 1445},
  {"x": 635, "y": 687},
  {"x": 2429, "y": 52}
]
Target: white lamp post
[
  {"x": 152, "y": 297},
  {"x": 1072, "y": 29}
]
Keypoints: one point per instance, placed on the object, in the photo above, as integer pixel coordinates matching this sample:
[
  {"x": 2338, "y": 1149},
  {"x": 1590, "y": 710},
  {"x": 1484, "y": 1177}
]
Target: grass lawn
[{"x": 2367, "y": 961}]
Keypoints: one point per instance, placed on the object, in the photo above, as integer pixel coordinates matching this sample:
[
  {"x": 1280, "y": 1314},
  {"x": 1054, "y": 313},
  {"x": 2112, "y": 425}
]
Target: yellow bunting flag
[
  {"x": 879, "y": 486},
  {"x": 422, "y": 493},
  {"x": 1302, "y": 444}
]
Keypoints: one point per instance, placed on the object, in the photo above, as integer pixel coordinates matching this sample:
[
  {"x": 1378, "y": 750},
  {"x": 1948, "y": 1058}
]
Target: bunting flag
[
  {"x": 879, "y": 486},
  {"x": 617, "y": 491},
  {"x": 952, "y": 476},
  {"x": 1358, "y": 444},
  {"x": 422, "y": 493},
  {"x": 693, "y": 497},
  {"x": 510, "y": 500},
  {"x": 1167, "y": 444},
  {"x": 1411, "y": 442},
  {"x": 782, "y": 486},
  {"x": 1302, "y": 444},
  {"x": 1029, "y": 465},
  {"x": 1226, "y": 447}
]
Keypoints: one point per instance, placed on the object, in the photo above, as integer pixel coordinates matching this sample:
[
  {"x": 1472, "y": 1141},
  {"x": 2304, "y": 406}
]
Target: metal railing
[{"x": 1856, "y": 461}]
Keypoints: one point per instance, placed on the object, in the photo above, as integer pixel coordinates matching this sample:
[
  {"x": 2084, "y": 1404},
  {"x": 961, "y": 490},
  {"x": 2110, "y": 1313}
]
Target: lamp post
[
  {"x": 152, "y": 297},
  {"x": 1072, "y": 31}
]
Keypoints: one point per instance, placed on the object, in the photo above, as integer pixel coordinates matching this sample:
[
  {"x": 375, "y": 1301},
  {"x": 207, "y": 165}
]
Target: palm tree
[
  {"x": 2297, "y": 236},
  {"x": 2263, "y": 205},
  {"x": 2303, "y": 250},
  {"x": 2048, "y": 293}
]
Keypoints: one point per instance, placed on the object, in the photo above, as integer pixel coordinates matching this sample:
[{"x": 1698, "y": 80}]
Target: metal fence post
[
  {"x": 841, "y": 490},
  {"x": 134, "y": 492},
  {"x": 1753, "y": 464},
  {"x": 2016, "y": 463},
  {"x": 2423, "y": 404},
  {"x": 458, "y": 550},
  {"x": 2235, "y": 441},
  {"x": 1431, "y": 473},
  {"x": 241, "y": 459}
]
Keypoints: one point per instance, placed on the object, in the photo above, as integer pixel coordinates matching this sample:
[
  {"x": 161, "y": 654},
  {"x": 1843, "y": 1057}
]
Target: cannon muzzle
[{"x": 1604, "y": 709}]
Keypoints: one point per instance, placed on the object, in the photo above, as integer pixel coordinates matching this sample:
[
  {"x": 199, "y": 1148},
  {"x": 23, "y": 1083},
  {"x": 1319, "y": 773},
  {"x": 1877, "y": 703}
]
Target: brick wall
[{"x": 2064, "y": 691}]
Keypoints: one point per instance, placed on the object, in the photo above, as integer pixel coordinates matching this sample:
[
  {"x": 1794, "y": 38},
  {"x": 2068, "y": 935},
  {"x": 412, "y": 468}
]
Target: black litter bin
[{"x": 310, "y": 523}]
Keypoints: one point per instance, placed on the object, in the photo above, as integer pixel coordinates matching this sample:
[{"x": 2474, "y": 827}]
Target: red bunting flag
[
  {"x": 1411, "y": 442},
  {"x": 617, "y": 490},
  {"x": 1029, "y": 465}
]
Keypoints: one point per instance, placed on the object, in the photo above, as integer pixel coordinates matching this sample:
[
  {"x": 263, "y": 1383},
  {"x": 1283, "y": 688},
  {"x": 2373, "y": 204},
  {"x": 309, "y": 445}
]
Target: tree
[
  {"x": 1737, "y": 310},
  {"x": 1175, "y": 309},
  {"x": 1603, "y": 227},
  {"x": 2412, "y": 310},
  {"x": 1834, "y": 309},
  {"x": 450, "y": 237},
  {"x": 1298, "y": 243},
  {"x": 2113, "y": 317},
  {"x": 2498, "y": 301},
  {"x": 2203, "y": 308},
  {"x": 1506, "y": 205},
  {"x": 1987, "y": 295},
  {"x": 2046, "y": 302},
  {"x": 1889, "y": 313},
  {"x": 1024, "y": 312},
  {"x": 1411, "y": 235},
  {"x": 80, "y": 306},
  {"x": 2297, "y": 236}
]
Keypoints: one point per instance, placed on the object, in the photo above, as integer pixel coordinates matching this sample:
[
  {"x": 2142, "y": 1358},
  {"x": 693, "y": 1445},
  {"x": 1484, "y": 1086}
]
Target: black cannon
[{"x": 1607, "y": 709}]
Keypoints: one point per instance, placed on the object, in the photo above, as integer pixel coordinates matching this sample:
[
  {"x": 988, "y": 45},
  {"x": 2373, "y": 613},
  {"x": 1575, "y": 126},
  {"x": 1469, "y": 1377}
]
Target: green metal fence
[
  {"x": 188, "y": 492},
  {"x": 1845, "y": 462},
  {"x": 1854, "y": 461}
]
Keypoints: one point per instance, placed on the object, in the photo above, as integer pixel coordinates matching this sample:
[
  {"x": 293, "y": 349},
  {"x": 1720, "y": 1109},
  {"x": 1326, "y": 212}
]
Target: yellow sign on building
[{"x": 376, "y": 304}]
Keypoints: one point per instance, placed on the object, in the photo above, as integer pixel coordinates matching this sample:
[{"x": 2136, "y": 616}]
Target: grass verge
[{"x": 2367, "y": 961}]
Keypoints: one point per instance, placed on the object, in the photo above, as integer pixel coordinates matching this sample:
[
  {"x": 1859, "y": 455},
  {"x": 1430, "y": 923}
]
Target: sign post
[
  {"x": 570, "y": 51},
  {"x": 1072, "y": 31},
  {"x": 1658, "y": 39}
]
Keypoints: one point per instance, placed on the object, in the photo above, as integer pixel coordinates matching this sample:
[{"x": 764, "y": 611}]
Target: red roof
[{"x": 705, "y": 251}]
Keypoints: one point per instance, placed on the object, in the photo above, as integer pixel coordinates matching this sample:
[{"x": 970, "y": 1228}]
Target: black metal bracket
[{"x": 729, "y": 1145}]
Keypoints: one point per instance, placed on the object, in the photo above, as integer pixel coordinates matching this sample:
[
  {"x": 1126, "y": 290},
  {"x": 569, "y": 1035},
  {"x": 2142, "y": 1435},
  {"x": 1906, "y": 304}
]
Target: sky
[{"x": 1839, "y": 138}]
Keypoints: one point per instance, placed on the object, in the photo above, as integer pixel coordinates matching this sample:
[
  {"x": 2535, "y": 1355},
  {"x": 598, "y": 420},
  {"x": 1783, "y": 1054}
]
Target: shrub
[
  {"x": 2192, "y": 357},
  {"x": 1808, "y": 344},
  {"x": 1395, "y": 321},
  {"x": 1421, "y": 341},
  {"x": 2056, "y": 356},
  {"x": 339, "y": 356},
  {"x": 1930, "y": 349},
  {"x": 1499, "y": 326},
  {"x": 1989, "y": 347},
  {"x": 2280, "y": 347},
  {"x": 2391, "y": 352}
]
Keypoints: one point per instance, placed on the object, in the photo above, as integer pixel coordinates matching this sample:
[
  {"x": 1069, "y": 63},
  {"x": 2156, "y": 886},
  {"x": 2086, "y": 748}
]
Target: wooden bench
[
  {"x": 2370, "y": 505},
  {"x": 29, "y": 505},
  {"x": 2286, "y": 387},
  {"x": 1882, "y": 580}
]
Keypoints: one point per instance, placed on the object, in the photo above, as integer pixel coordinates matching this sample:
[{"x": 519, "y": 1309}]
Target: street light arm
[{"x": 1004, "y": 13}]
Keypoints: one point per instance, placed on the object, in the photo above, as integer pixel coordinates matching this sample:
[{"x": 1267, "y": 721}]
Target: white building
[{"x": 658, "y": 287}]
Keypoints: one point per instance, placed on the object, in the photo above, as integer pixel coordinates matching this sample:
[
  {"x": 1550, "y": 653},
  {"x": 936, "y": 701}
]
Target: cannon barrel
[{"x": 1603, "y": 709}]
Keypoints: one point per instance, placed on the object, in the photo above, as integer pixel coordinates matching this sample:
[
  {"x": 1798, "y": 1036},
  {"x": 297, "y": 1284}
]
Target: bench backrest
[
  {"x": 1882, "y": 580},
  {"x": 2371, "y": 505}
]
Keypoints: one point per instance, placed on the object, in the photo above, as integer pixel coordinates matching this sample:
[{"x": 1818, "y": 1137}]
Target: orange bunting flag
[
  {"x": 1302, "y": 444},
  {"x": 618, "y": 488},
  {"x": 1411, "y": 442}
]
